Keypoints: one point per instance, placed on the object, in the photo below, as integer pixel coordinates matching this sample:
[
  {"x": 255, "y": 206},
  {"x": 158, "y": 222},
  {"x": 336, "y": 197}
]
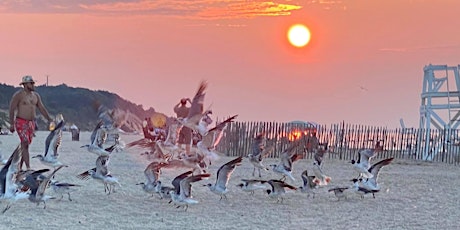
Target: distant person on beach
[
  {"x": 312, "y": 143},
  {"x": 185, "y": 136},
  {"x": 24, "y": 102},
  {"x": 147, "y": 127}
]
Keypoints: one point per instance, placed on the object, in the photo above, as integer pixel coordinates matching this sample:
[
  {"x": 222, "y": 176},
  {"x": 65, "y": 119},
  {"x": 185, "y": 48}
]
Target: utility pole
[{"x": 46, "y": 80}]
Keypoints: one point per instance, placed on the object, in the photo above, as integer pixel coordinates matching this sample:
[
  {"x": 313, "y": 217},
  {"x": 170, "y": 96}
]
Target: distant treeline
[{"x": 77, "y": 105}]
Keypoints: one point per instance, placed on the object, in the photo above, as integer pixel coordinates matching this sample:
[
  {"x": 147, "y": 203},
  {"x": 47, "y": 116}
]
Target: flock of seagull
[{"x": 16, "y": 184}]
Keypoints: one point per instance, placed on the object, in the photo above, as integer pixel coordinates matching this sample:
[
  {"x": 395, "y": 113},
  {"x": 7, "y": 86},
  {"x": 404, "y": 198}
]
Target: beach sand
[{"x": 414, "y": 195}]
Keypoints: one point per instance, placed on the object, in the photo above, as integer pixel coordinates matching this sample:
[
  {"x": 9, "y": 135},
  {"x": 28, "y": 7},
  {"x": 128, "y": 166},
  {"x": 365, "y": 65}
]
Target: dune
[{"x": 414, "y": 195}]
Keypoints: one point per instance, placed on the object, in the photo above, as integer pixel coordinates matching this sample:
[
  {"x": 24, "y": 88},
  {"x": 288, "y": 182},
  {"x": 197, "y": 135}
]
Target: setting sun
[{"x": 298, "y": 35}]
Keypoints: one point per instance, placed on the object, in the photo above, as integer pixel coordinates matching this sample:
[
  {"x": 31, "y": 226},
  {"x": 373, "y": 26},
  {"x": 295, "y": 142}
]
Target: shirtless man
[{"x": 24, "y": 102}]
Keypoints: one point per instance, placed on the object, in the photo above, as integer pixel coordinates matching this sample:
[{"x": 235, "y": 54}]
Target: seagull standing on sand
[{"x": 223, "y": 176}]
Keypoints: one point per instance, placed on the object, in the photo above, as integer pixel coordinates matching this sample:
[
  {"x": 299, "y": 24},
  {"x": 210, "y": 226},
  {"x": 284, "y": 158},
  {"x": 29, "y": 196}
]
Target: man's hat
[{"x": 27, "y": 79}]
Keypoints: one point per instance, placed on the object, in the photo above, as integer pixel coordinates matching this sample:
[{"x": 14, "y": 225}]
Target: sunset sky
[{"x": 363, "y": 65}]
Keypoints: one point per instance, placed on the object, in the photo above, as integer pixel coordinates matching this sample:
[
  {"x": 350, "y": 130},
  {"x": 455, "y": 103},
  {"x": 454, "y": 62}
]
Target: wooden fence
[{"x": 344, "y": 140}]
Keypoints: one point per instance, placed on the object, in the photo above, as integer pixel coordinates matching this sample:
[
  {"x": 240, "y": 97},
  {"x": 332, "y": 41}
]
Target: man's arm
[
  {"x": 42, "y": 108},
  {"x": 176, "y": 107},
  {"x": 13, "y": 105}
]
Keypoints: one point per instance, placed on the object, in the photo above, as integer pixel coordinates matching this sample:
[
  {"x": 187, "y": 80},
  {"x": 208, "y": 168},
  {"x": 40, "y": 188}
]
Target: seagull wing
[
  {"x": 365, "y": 155},
  {"x": 288, "y": 156},
  {"x": 176, "y": 181},
  {"x": 11, "y": 167},
  {"x": 44, "y": 183},
  {"x": 375, "y": 169},
  {"x": 52, "y": 140},
  {"x": 102, "y": 163},
  {"x": 153, "y": 171},
  {"x": 85, "y": 175},
  {"x": 186, "y": 184},
  {"x": 94, "y": 134},
  {"x": 258, "y": 145},
  {"x": 319, "y": 155},
  {"x": 307, "y": 180},
  {"x": 196, "y": 109},
  {"x": 217, "y": 132},
  {"x": 278, "y": 186},
  {"x": 225, "y": 171}
]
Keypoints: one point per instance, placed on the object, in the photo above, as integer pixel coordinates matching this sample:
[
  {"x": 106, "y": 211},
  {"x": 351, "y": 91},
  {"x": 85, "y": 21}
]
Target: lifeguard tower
[{"x": 440, "y": 104}]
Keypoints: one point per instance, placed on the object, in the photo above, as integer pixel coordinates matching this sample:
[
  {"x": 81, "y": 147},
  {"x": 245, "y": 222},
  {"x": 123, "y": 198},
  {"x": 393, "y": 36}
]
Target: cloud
[
  {"x": 191, "y": 9},
  {"x": 412, "y": 49}
]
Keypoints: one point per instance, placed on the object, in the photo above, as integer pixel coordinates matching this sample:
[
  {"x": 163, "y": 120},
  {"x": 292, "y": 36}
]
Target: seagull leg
[{"x": 69, "y": 196}]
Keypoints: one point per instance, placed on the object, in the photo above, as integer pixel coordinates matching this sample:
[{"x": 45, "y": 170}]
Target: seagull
[
  {"x": 319, "y": 154},
  {"x": 173, "y": 132},
  {"x": 223, "y": 176},
  {"x": 250, "y": 186},
  {"x": 321, "y": 179},
  {"x": 38, "y": 188},
  {"x": 152, "y": 174},
  {"x": 288, "y": 156},
  {"x": 163, "y": 191},
  {"x": 182, "y": 193},
  {"x": 195, "y": 115},
  {"x": 277, "y": 190},
  {"x": 371, "y": 183},
  {"x": 211, "y": 139},
  {"x": 54, "y": 139},
  {"x": 361, "y": 190},
  {"x": 63, "y": 188},
  {"x": 308, "y": 184},
  {"x": 362, "y": 165},
  {"x": 339, "y": 192},
  {"x": 101, "y": 174},
  {"x": 98, "y": 137},
  {"x": 8, "y": 187},
  {"x": 259, "y": 152},
  {"x": 52, "y": 143}
]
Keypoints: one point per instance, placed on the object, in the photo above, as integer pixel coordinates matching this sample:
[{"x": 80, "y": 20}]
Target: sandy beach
[{"x": 414, "y": 195}]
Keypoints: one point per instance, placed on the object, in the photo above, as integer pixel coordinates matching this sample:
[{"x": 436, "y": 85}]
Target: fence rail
[{"x": 344, "y": 140}]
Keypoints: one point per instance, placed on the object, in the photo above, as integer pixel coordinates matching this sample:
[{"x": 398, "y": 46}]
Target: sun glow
[{"x": 299, "y": 35}]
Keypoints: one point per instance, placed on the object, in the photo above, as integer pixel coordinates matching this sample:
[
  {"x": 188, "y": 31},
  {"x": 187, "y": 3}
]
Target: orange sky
[{"x": 364, "y": 63}]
